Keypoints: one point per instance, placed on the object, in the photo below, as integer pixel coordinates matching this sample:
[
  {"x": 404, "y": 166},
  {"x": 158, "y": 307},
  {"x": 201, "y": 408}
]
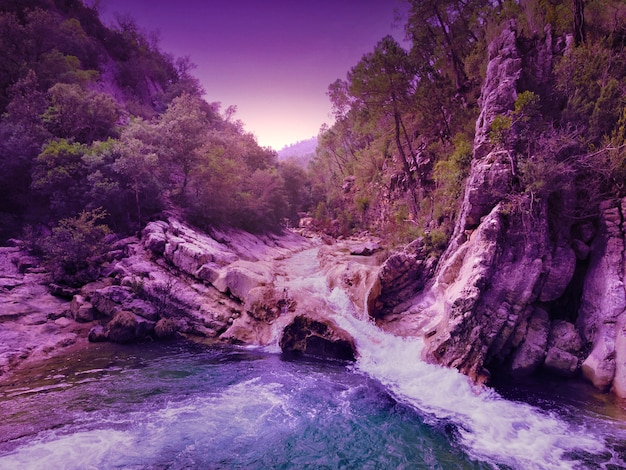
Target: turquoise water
[
  {"x": 180, "y": 405},
  {"x": 183, "y": 406}
]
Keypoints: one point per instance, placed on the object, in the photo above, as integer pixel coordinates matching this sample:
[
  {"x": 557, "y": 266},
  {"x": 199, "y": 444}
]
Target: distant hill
[{"x": 302, "y": 152}]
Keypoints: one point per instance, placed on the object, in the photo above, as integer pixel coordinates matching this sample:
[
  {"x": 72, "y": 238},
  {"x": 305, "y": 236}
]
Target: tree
[
  {"x": 59, "y": 175},
  {"x": 579, "y": 21},
  {"x": 297, "y": 189},
  {"x": 182, "y": 130},
  {"x": 137, "y": 166},
  {"x": 443, "y": 34},
  {"x": 264, "y": 202},
  {"x": 383, "y": 81},
  {"x": 74, "y": 113},
  {"x": 12, "y": 51}
]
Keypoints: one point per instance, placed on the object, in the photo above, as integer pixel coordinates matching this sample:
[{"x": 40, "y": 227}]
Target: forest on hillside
[
  {"x": 396, "y": 159},
  {"x": 100, "y": 130},
  {"x": 98, "y": 123}
]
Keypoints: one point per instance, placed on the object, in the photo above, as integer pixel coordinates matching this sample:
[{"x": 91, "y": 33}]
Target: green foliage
[
  {"x": 499, "y": 129},
  {"x": 590, "y": 78},
  {"x": 397, "y": 112},
  {"x": 449, "y": 175},
  {"x": 264, "y": 202},
  {"x": 71, "y": 252},
  {"x": 362, "y": 203},
  {"x": 394, "y": 162},
  {"x": 297, "y": 188},
  {"x": 59, "y": 176},
  {"x": 181, "y": 132},
  {"x": 80, "y": 115},
  {"x": 66, "y": 148},
  {"x": 435, "y": 241},
  {"x": 527, "y": 105}
]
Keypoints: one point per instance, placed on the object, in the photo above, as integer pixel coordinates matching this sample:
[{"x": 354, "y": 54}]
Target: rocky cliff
[{"x": 518, "y": 288}]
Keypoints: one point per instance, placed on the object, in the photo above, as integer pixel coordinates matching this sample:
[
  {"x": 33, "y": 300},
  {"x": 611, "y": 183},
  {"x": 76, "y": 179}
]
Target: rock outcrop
[
  {"x": 532, "y": 351},
  {"x": 492, "y": 300},
  {"x": 603, "y": 304},
  {"x": 33, "y": 325},
  {"x": 402, "y": 274},
  {"x": 318, "y": 338},
  {"x": 175, "y": 280}
]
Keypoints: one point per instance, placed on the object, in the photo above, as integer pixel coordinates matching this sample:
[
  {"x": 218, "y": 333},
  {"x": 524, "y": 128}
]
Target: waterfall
[{"x": 486, "y": 425}]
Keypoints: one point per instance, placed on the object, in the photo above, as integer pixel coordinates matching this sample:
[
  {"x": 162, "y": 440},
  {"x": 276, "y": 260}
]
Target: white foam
[
  {"x": 242, "y": 411},
  {"x": 490, "y": 427},
  {"x": 80, "y": 450}
]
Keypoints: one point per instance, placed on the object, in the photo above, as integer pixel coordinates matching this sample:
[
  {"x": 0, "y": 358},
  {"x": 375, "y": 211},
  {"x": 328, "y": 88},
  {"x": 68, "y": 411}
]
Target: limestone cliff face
[
  {"x": 602, "y": 316},
  {"x": 493, "y": 300}
]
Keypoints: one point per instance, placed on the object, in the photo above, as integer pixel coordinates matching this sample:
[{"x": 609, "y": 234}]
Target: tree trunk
[
  {"x": 579, "y": 22},
  {"x": 405, "y": 164},
  {"x": 457, "y": 64}
]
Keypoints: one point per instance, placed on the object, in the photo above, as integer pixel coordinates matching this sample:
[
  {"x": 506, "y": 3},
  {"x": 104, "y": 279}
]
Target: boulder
[
  {"x": 240, "y": 277},
  {"x": 63, "y": 292},
  {"x": 208, "y": 272},
  {"x": 97, "y": 334},
  {"x": 531, "y": 353},
  {"x": 126, "y": 327},
  {"x": 189, "y": 257},
  {"x": 266, "y": 303},
  {"x": 81, "y": 310},
  {"x": 143, "y": 309},
  {"x": 165, "y": 328},
  {"x": 318, "y": 338},
  {"x": 88, "y": 289},
  {"x": 365, "y": 249},
  {"x": 599, "y": 366},
  {"x": 110, "y": 299},
  {"x": 401, "y": 276},
  {"x": 155, "y": 242},
  {"x": 565, "y": 336},
  {"x": 561, "y": 362}
]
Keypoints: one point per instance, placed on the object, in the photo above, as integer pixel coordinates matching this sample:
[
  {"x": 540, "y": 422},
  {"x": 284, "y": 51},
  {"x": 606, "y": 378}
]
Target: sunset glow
[{"x": 273, "y": 60}]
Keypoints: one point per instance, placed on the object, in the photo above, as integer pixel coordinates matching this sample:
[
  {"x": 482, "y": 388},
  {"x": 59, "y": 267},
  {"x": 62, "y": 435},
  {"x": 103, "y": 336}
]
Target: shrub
[
  {"x": 71, "y": 252},
  {"x": 500, "y": 129}
]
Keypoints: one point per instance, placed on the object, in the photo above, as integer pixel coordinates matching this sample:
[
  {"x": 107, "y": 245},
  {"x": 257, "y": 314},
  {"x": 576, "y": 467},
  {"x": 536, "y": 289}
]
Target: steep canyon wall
[{"x": 519, "y": 287}]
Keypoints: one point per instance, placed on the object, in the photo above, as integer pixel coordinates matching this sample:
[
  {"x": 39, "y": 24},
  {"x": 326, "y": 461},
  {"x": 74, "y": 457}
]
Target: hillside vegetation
[
  {"x": 97, "y": 122},
  {"x": 397, "y": 157}
]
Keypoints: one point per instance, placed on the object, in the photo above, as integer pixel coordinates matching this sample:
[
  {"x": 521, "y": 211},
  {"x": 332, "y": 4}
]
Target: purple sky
[{"x": 273, "y": 59}]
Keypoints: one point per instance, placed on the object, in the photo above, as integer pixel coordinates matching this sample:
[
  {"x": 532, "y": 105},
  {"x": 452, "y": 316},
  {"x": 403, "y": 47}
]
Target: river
[{"x": 183, "y": 405}]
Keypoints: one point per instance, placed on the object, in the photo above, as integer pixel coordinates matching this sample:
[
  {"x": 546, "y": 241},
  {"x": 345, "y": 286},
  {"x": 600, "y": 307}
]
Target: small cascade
[{"x": 487, "y": 426}]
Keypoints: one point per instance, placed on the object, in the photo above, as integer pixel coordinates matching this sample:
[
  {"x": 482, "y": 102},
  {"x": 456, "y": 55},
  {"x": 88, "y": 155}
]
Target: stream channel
[{"x": 181, "y": 405}]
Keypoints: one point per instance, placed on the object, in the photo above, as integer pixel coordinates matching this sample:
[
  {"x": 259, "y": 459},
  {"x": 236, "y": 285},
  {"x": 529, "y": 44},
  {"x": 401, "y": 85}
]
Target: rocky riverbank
[
  {"x": 173, "y": 280},
  {"x": 33, "y": 325}
]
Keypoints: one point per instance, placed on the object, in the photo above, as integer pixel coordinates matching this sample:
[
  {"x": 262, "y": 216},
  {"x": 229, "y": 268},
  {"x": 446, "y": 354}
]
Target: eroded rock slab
[{"x": 318, "y": 338}]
